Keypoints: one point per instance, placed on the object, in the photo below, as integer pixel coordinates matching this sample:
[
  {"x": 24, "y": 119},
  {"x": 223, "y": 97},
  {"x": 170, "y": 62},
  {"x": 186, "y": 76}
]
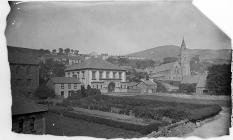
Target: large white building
[{"x": 99, "y": 74}]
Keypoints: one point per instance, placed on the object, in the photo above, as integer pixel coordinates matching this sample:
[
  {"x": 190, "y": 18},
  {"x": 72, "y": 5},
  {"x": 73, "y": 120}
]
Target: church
[{"x": 174, "y": 71}]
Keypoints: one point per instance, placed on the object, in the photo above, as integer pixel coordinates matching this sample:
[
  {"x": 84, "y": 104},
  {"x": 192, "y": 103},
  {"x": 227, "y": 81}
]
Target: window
[
  {"x": 68, "y": 74},
  {"x": 74, "y": 76},
  {"x": 62, "y": 93},
  {"x": 29, "y": 82},
  {"x": 101, "y": 74},
  {"x": 69, "y": 86},
  {"x": 78, "y": 75},
  {"x": 114, "y": 75},
  {"x": 28, "y": 70},
  {"x": 31, "y": 124},
  {"x": 17, "y": 69},
  {"x": 107, "y": 75},
  {"x": 120, "y": 75},
  {"x": 21, "y": 122},
  {"x": 101, "y": 87},
  {"x": 62, "y": 86},
  {"x": 69, "y": 93},
  {"x": 83, "y": 72},
  {"x": 97, "y": 86},
  {"x": 75, "y": 86},
  {"x": 93, "y": 75}
]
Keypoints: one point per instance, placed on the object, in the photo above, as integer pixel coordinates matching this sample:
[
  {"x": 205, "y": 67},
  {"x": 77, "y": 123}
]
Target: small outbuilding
[{"x": 27, "y": 116}]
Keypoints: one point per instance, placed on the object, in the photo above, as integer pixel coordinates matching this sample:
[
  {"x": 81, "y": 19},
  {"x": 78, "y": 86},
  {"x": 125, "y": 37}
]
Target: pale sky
[{"x": 111, "y": 27}]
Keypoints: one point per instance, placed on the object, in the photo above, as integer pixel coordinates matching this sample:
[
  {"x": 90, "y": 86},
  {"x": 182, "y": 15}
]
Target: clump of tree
[
  {"x": 134, "y": 76},
  {"x": 44, "y": 92},
  {"x": 169, "y": 60},
  {"x": 160, "y": 87},
  {"x": 85, "y": 92},
  {"x": 138, "y": 64},
  {"x": 219, "y": 79},
  {"x": 51, "y": 69},
  {"x": 187, "y": 88}
]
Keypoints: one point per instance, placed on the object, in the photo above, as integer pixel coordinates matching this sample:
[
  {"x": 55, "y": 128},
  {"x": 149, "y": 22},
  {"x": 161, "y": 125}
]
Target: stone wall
[{"x": 174, "y": 130}]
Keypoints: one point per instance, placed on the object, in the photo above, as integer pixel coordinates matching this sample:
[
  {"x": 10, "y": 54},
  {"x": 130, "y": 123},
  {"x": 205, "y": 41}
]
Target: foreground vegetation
[
  {"x": 162, "y": 111},
  {"x": 147, "y": 109},
  {"x": 68, "y": 126}
]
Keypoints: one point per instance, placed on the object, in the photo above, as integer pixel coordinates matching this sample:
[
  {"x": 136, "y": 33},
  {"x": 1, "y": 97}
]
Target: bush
[
  {"x": 187, "y": 88},
  {"x": 204, "y": 113},
  {"x": 44, "y": 92}
]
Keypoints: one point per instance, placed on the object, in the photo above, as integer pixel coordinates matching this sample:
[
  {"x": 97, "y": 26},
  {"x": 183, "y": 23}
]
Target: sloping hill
[{"x": 160, "y": 52}]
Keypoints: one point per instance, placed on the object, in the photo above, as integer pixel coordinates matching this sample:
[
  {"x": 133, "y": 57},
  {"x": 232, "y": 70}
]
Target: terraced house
[
  {"x": 63, "y": 86},
  {"x": 99, "y": 74}
]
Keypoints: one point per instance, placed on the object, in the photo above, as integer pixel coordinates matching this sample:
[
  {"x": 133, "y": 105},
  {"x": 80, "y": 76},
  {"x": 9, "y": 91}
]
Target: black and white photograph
[{"x": 118, "y": 69}]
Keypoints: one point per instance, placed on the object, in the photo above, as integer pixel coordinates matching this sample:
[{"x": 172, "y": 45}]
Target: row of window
[
  {"x": 77, "y": 75},
  {"x": 19, "y": 69},
  {"x": 107, "y": 75},
  {"x": 69, "y": 86},
  {"x": 101, "y": 86}
]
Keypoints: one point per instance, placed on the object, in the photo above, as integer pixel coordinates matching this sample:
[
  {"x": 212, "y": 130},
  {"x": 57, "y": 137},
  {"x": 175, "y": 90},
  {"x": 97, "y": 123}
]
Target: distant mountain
[{"x": 161, "y": 52}]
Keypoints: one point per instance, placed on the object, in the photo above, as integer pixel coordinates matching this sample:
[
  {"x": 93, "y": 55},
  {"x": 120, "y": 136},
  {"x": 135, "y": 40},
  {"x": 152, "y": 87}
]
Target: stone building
[
  {"x": 27, "y": 116},
  {"x": 24, "y": 73},
  {"x": 174, "y": 71},
  {"x": 99, "y": 74},
  {"x": 63, "y": 86},
  {"x": 144, "y": 86}
]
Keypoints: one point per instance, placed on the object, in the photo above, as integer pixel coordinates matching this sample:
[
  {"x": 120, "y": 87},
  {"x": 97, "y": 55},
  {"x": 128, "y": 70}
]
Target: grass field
[
  {"x": 60, "y": 125},
  {"x": 225, "y": 103}
]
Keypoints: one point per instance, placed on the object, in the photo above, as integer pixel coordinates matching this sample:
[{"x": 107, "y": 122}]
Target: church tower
[{"x": 184, "y": 60}]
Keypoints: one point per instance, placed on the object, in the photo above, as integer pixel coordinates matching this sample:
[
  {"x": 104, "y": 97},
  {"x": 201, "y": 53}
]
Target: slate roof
[
  {"x": 164, "y": 67},
  {"x": 94, "y": 63},
  {"x": 148, "y": 82},
  {"x": 21, "y": 58},
  {"x": 65, "y": 80},
  {"x": 21, "y": 105}
]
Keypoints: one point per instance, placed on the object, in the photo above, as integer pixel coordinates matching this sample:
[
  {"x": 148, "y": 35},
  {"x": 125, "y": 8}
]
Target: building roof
[
  {"x": 65, "y": 80},
  {"x": 21, "y": 105},
  {"x": 94, "y": 63},
  {"x": 131, "y": 84},
  {"x": 148, "y": 82},
  {"x": 21, "y": 58},
  {"x": 164, "y": 67}
]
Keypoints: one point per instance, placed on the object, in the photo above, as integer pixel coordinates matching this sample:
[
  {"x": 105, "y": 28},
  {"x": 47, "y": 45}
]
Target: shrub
[
  {"x": 44, "y": 92},
  {"x": 187, "y": 88},
  {"x": 206, "y": 112}
]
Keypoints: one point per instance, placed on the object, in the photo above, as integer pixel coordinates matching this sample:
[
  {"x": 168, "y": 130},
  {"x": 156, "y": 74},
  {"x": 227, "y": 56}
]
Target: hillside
[{"x": 160, "y": 52}]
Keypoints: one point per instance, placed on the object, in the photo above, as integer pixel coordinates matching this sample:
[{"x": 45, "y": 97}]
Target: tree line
[{"x": 60, "y": 51}]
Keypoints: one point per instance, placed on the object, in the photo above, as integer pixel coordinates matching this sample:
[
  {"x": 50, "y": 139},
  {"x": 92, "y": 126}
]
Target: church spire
[{"x": 183, "y": 46}]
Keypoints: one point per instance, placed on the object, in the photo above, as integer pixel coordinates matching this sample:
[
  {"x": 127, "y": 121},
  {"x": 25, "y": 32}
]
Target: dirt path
[{"x": 219, "y": 126}]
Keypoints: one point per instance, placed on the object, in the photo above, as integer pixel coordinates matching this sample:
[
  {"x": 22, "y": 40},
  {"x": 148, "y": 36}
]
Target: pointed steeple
[{"x": 183, "y": 46}]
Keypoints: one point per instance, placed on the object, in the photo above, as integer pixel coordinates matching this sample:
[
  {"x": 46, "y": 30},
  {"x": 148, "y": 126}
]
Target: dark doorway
[{"x": 111, "y": 87}]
